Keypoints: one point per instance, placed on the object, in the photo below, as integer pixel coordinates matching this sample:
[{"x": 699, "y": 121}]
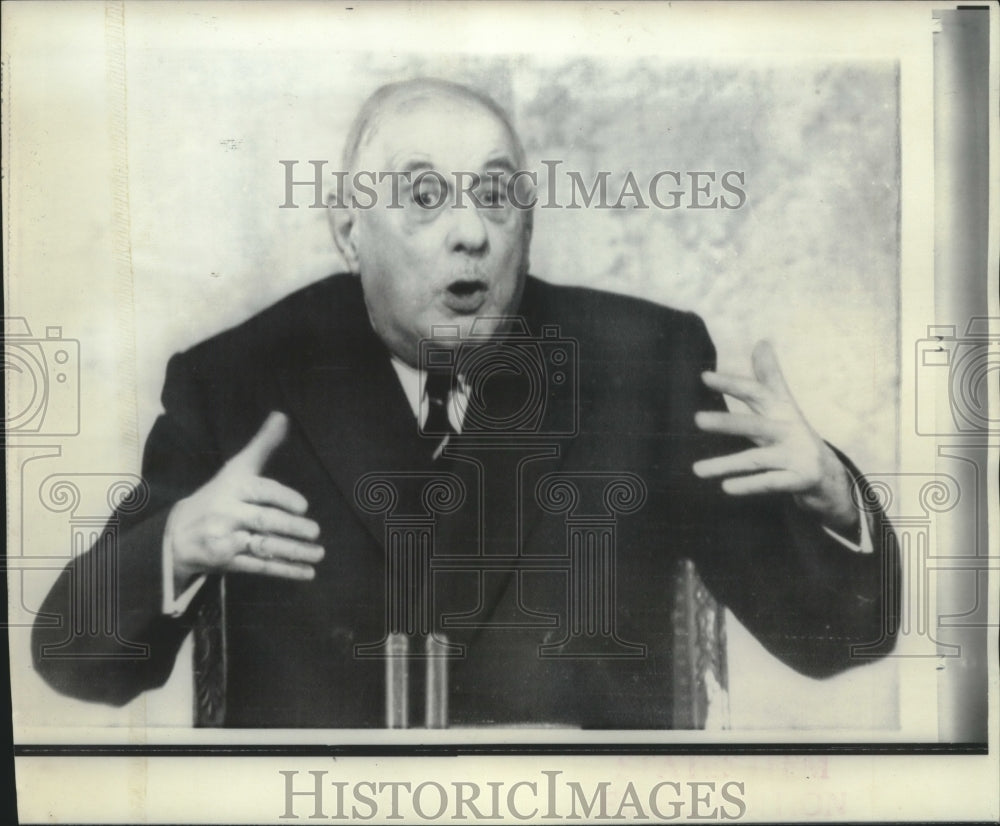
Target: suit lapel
[{"x": 351, "y": 408}]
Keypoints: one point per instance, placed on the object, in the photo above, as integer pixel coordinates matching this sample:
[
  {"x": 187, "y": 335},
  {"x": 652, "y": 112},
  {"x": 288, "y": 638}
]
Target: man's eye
[
  {"x": 427, "y": 194},
  {"x": 493, "y": 196}
]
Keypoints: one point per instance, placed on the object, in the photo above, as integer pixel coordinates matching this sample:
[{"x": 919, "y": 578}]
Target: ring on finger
[{"x": 255, "y": 546}]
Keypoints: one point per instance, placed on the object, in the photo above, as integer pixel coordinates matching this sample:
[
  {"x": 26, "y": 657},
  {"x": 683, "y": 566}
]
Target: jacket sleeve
[
  {"x": 110, "y": 640},
  {"x": 817, "y": 605}
]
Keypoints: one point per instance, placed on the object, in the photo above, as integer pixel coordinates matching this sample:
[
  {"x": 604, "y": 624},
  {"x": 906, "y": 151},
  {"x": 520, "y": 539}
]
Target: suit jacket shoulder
[
  {"x": 612, "y": 321},
  {"x": 327, "y": 322},
  {"x": 328, "y": 315}
]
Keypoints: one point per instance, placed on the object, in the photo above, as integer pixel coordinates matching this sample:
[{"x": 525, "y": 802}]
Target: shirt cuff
[
  {"x": 173, "y": 605},
  {"x": 865, "y": 546}
]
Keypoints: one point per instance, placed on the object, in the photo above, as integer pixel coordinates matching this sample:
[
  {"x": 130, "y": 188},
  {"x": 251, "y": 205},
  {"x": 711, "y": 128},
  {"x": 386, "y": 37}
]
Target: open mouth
[{"x": 465, "y": 296}]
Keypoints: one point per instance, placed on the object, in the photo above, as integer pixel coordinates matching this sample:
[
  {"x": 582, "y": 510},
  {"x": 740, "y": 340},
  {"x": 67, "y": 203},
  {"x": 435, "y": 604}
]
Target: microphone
[{"x": 397, "y": 681}]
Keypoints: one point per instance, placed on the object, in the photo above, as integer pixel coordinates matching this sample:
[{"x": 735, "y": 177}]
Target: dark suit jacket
[{"x": 292, "y": 646}]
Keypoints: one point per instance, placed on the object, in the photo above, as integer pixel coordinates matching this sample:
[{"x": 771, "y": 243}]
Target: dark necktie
[{"x": 439, "y": 385}]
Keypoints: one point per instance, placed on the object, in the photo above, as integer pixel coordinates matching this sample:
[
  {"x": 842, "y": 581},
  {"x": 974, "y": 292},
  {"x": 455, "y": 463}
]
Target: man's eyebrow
[
  {"x": 415, "y": 165},
  {"x": 502, "y": 162}
]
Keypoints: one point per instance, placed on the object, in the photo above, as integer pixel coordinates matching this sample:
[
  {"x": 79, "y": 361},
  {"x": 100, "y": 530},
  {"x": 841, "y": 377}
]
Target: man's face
[{"x": 423, "y": 259}]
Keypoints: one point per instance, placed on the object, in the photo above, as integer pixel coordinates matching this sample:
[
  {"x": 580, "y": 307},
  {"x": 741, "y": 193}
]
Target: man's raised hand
[
  {"x": 241, "y": 521},
  {"x": 790, "y": 457}
]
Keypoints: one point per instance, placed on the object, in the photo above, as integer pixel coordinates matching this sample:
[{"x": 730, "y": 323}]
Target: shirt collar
[{"x": 413, "y": 381}]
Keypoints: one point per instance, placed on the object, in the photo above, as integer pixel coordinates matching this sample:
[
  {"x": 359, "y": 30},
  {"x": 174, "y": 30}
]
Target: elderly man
[{"x": 288, "y": 524}]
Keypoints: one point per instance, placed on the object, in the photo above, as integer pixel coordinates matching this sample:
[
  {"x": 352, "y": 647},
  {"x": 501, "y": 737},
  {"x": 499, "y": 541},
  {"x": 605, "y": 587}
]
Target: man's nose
[{"x": 468, "y": 232}]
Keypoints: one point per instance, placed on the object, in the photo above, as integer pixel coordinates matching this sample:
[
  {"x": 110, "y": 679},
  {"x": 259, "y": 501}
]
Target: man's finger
[
  {"x": 767, "y": 368},
  {"x": 739, "y": 424},
  {"x": 773, "y": 481},
  {"x": 245, "y": 564},
  {"x": 268, "y": 546},
  {"x": 265, "y": 520},
  {"x": 262, "y": 491},
  {"x": 258, "y": 450},
  {"x": 747, "y": 461},
  {"x": 746, "y": 390}
]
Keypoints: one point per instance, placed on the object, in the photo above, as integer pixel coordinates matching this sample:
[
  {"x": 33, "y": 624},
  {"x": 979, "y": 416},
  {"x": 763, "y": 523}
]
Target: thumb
[
  {"x": 259, "y": 449},
  {"x": 766, "y": 367}
]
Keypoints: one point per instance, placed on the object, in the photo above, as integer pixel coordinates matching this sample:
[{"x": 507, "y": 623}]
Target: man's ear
[{"x": 343, "y": 227}]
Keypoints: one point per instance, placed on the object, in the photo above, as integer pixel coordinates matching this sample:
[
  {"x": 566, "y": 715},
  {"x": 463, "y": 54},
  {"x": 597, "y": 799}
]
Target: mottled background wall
[{"x": 811, "y": 259}]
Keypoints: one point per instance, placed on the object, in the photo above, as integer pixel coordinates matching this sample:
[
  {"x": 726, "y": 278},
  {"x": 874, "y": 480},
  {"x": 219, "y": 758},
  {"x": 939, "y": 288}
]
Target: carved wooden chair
[
  {"x": 701, "y": 698},
  {"x": 701, "y": 678}
]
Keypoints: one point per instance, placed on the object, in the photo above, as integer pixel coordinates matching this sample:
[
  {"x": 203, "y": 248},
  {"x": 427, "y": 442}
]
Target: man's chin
[{"x": 481, "y": 325}]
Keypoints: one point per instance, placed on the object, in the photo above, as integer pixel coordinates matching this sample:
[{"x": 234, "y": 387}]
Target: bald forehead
[{"x": 396, "y": 100}]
